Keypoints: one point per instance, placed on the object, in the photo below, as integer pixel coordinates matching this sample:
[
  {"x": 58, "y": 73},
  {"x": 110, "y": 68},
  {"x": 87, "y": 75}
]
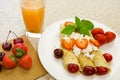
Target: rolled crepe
[
  {"x": 85, "y": 61},
  {"x": 99, "y": 60},
  {"x": 69, "y": 58}
]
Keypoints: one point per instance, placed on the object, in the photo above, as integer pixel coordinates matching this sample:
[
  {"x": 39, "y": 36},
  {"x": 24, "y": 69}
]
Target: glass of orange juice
[{"x": 33, "y": 15}]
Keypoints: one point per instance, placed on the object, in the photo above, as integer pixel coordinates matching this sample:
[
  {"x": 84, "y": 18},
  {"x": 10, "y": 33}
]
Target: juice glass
[{"x": 33, "y": 15}]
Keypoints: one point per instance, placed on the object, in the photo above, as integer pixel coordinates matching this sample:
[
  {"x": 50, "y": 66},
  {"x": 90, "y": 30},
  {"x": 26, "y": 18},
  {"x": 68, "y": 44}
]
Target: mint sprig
[
  {"x": 81, "y": 26},
  {"x": 77, "y": 22},
  {"x": 84, "y": 31},
  {"x": 87, "y": 24},
  {"x": 68, "y": 30}
]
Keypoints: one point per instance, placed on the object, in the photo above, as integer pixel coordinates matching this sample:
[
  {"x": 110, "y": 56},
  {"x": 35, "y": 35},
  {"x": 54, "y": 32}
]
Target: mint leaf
[
  {"x": 84, "y": 31},
  {"x": 77, "y": 22},
  {"x": 88, "y": 24},
  {"x": 68, "y": 30}
]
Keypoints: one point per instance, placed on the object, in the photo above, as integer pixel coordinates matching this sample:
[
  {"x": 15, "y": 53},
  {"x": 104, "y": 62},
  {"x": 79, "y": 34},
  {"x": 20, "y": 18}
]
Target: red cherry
[
  {"x": 102, "y": 71},
  {"x": 7, "y": 46},
  {"x": 18, "y": 40},
  {"x": 108, "y": 57},
  {"x": 88, "y": 70},
  {"x": 1, "y": 55},
  {"x": 58, "y": 53},
  {"x": 73, "y": 68}
]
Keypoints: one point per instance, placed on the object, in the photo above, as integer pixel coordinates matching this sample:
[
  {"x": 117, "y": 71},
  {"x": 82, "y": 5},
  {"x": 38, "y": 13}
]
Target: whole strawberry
[
  {"x": 108, "y": 57},
  {"x": 9, "y": 61},
  {"x": 25, "y": 62},
  {"x": 110, "y": 36},
  {"x": 102, "y": 39},
  {"x": 97, "y": 30},
  {"x": 19, "y": 50}
]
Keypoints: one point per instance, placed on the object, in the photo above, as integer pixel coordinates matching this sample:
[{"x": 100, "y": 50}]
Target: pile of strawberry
[
  {"x": 103, "y": 37},
  {"x": 18, "y": 56}
]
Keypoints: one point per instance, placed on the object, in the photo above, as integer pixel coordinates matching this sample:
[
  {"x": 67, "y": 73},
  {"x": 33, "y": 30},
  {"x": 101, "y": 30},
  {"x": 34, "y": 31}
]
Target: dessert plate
[{"x": 50, "y": 40}]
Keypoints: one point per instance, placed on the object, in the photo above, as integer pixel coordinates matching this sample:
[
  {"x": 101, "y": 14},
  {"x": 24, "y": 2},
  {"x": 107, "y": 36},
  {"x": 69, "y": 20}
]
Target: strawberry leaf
[
  {"x": 19, "y": 55},
  {"x": 68, "y": 30},
  {"x": 19, "y": 50},
  {"x": 12, "y": 58}
]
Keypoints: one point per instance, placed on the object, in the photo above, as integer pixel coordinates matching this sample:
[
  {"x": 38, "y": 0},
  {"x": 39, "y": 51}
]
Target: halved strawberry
[
  {"x": 68, "y": 44},
  {"x": 25, "y": 62},
  {"x": 95, "y": 42},
  {"x": 9, "y": 61},
  {"x": 19, "y": 50},
  {"x": 82, "y": 44},
  {"x": 69, "y": 23}
]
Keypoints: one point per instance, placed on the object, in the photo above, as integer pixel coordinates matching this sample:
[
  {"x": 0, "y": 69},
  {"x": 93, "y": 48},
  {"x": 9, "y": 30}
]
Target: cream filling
[{"x": 76, "y": 50}]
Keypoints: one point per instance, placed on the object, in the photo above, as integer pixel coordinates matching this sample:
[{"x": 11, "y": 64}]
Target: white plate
[{"x": 50, "y": 41}]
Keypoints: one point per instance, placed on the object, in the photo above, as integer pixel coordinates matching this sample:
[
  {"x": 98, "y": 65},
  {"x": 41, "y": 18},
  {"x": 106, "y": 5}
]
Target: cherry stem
[
  {"x": 13, "y": 33},
  {"x": 8, "y": 35}
]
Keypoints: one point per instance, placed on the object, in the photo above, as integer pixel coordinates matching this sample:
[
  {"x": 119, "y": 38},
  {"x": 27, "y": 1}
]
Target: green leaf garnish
[
  {"x": 77, "y": 22},
  {"x": 83, "y": 27},
  {"x": 88, "y": 24},
  {"x": 84, "y": 31},
  {"x": 68, "y": 30}
]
